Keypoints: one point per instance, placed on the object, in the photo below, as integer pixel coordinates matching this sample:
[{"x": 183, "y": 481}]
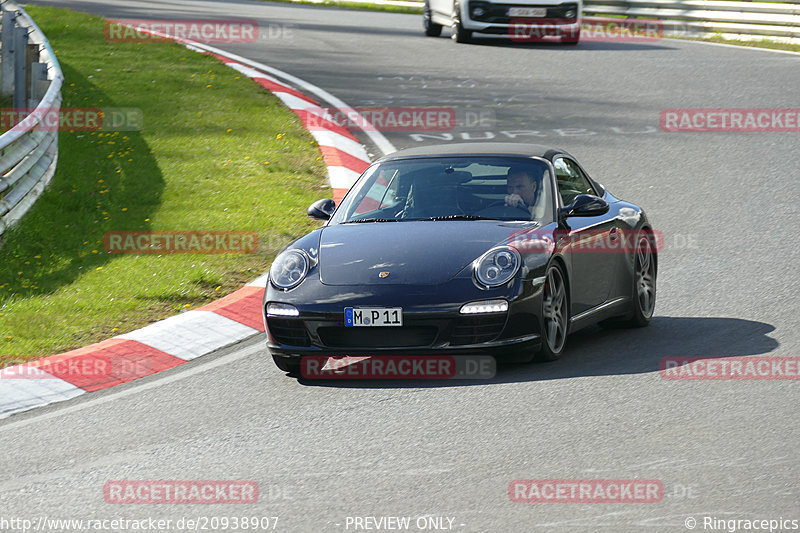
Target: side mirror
[
  {"x": 321, "y": 209},
  {"x": 585, "y": 205}
]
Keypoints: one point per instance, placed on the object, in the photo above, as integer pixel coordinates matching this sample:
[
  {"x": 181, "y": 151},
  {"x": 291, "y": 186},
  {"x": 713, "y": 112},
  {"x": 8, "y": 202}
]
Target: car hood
[{"x": 418, "y": 253}]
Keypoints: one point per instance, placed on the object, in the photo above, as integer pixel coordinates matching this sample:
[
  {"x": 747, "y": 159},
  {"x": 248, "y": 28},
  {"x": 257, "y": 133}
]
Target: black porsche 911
[{"x": 490, "y": 248}]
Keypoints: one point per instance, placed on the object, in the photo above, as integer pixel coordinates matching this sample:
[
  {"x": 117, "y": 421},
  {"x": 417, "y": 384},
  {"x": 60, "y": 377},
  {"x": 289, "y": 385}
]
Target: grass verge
[{"x": 215, "y": 152}]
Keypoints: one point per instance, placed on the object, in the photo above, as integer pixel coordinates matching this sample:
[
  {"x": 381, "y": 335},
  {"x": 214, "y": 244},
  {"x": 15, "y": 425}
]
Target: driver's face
[{"x": 523, "y": 185}]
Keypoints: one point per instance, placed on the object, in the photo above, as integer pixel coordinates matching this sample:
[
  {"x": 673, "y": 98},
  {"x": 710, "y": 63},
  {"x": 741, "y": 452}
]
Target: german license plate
[
  {"x": 373, "y": 316},
  {"x": 527, "y": 12}
]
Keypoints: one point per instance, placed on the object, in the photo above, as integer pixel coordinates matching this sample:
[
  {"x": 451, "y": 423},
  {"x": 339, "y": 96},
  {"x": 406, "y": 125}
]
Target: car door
[
  {"x": 586, "y": 242},
  {"x": 442, "y": 8}
]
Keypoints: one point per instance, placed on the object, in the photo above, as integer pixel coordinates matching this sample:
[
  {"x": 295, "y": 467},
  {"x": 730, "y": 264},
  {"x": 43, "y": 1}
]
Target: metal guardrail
[
  {"x": 778, "y": 21},
  {"x": 31, "y": 77}
]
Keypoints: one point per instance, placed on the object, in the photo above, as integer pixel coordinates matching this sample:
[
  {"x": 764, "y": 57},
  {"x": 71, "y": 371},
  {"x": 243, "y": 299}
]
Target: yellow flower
[{"x": 99, "y": 268}]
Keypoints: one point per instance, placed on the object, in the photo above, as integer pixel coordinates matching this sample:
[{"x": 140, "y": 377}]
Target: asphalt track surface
[{"x": 322, "y": 452}]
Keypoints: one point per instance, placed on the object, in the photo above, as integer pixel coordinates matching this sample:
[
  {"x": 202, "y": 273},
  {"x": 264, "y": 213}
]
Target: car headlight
[
  {"x": 497, "y": 266},
  {"x": 289, "y": 269}
]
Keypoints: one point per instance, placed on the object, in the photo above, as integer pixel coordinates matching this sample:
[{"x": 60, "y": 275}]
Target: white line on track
[{"x": 737, "y": 46}]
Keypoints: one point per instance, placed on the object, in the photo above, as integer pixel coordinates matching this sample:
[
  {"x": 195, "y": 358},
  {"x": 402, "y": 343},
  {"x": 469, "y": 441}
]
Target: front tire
[
  {"x": 555, "y": 314},
  {"x": 431, "y": 28},
  {"x": 644, "y": 281},
  {"x": 460, "y": 34}
]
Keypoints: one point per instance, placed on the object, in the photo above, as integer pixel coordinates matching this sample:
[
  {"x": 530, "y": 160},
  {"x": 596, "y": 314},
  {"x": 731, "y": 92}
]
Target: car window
[
  {"x": 454, "y": 187},
  {"x": 571, "y": 181}
]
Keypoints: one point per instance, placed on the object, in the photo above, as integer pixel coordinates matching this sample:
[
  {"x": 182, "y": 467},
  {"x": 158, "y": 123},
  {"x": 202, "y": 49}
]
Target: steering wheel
[{"x": 499, "y": 209}]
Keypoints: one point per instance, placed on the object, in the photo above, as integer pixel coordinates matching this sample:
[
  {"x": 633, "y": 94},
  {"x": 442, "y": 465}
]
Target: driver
[{"x": 521, "y": 186}]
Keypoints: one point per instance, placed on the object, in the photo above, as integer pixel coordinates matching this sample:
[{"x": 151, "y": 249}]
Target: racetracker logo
[
  {"x": 71, "y": 119},
  {"x": 592, "y": 29},
  {"x": 731, "y": 120},
  {"x": 730, "y": 368},
  {"x": 180, "y": 242},
  {"x": 385, "y": 118},
  {"x": 180, "y": 492},
  {"x": 585, "y": 491},
  {"x": 98, "y": 368},
  {"x": 607, "y": 240},
  {"x": 201, "y": 31},
  {"x": 398, "y": 367}
]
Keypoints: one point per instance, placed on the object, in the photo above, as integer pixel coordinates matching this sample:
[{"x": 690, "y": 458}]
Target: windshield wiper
[
  {"x": 459, "y": 217},
  {"x": 359, "y": 220}
]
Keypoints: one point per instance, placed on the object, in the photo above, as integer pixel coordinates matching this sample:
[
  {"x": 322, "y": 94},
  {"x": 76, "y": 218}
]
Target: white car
[{"x": 522, "y": 20}]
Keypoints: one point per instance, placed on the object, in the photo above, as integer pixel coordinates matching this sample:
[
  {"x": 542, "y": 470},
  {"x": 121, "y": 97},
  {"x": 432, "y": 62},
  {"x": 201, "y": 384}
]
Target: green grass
[{"x": 216, "y": 152}]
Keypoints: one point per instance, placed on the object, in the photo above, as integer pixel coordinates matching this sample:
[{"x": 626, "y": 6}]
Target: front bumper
[
  {"x": 493, "y": 18},
  {"x": 432, "y": 323}
]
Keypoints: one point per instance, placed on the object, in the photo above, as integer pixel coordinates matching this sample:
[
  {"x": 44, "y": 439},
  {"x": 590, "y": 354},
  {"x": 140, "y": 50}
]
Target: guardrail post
[
  {"x": 7, "y": 57},
  {"x": 39, "y": 83},
  {"x": 20, "y": 46},
  {"x": 31, "y": 57}
]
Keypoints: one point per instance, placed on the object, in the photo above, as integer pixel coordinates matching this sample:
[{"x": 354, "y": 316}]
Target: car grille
[
  {"x": 288, "y": 331},
  {"x": 478, "y": 328},
  {"x": 378, "y": 337},
  {"x": 496, "y": 13}
]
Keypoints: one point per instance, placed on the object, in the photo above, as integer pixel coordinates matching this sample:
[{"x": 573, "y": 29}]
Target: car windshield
[{"x": 450, "y": 188}]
